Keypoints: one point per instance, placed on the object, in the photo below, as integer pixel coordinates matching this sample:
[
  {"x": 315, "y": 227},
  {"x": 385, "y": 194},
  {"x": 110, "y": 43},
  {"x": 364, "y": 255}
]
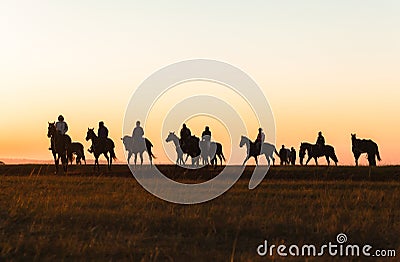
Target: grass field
[{"x": 109, "y": 216}]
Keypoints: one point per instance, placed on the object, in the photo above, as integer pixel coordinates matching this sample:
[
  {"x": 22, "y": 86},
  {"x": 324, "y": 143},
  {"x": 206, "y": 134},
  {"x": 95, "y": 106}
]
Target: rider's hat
[
  {"x": 260, "y": 129},
  {"x": 60, "y": 118}
]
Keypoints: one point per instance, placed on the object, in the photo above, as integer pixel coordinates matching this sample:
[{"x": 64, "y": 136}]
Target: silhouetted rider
[
  {"x": 206, "y": 135},
  {"x": 62, "y": 128},
  {"x": 320, "y": 140},
  {"x": 137, "y": 136},
  {"x": 185, "y": 132},
  {"x": 259, "y": 140},
  {"x": 185, "y": 135},
  {"x": 61, "y": 125},
  {"x": 102, "y": 133}
]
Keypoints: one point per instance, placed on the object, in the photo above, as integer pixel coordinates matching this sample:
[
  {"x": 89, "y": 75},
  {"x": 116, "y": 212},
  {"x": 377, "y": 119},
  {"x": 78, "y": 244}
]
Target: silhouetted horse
[
  {"x": 100, "y": 147},
  {"x": 77, "y": 149},
  {"x": 360, "y": 146},
  {"x": 179, "y": 152},
  {"x": 191, "y": 148},
  {"x": 315, "y": 151},
  {"x": 252, "y": 151},
  {"x": 129, "y": 146},
  {"x": 211, "y": 152},
  {"x": 59, "y": 146},
  {"x": 219, "y": 153}
]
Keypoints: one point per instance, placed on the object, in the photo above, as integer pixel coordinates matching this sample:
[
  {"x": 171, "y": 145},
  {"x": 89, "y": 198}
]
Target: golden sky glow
[{"x": 324, "y": 66}]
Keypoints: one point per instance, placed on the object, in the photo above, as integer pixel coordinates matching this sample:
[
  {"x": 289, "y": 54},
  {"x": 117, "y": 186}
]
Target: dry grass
[{"x": 46, "y": 217}]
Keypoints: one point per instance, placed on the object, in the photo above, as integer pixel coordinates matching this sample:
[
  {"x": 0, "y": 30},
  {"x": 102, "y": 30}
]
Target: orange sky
[{"x": 330, "y": 67}]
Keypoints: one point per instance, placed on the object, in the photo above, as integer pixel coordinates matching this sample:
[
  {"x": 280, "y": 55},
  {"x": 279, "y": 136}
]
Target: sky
[{"x": 330, "y": 66}]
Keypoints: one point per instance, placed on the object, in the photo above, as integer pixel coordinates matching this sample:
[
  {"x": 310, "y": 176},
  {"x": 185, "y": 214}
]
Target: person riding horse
[
  {"x": 137, "y": 137},
  {"x": 62, "y": 128},
  {"x": 102, "y": 134},
  {"x": 259, "y": 140},
  {"x": 206, "y": 136},
  {"x": 320, "y": 140},
  {"x": 185, "y": 136}
]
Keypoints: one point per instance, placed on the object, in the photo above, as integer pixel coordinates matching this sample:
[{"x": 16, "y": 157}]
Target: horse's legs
[
  {"x": 268, "y": 160},
  {"x": 316, "y": 161},
  {"x": 308, "y": 160},
  {"x": 151, "y": 159},
  {"x": 111, "y": 159},
  {"x": 108, "y": 159},
  {"x": 245, "y": 160},
  {"x": 129, "y": 156},
  {"x": 141, "y": 158},
  {"x": 135, "y": 158},
  {"x": 356, "y": 157},
  {"x": 187, "y": 156},
  {"x": 56, "y": 162},
  {"x": 256, "y": 158},
  {"x": 220, "y": 159},
  {"x": 327, "y": 160}
]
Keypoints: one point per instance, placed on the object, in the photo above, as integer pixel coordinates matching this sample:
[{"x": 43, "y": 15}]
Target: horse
[
  {"x": 77, "y": 149},
  {"x": 315, "y": 151},
  {"x": 285, "y": 156},
  {"x": 252, "y": 151},
  {"x": 219, "y": 153},
  {"x": 133, "y": 149},
  {"x": 360, "y": 146},
  {"x": 59, "y": 146},
  {"x": 101, "y": 148},
  {"x": 212, "y": 151},
  {"x": 191, "y": 148},
  {"x": 179, "y": 153}
]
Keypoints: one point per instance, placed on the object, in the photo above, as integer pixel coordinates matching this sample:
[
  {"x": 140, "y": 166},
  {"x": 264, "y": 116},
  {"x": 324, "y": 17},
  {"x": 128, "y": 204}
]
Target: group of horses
[{"x": 64, "y": 149}]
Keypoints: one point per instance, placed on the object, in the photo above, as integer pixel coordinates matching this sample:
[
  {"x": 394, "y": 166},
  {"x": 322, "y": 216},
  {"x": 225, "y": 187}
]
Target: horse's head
[
  {"x": 171, "y": 136},
  {"x": 302, "y": 153},
  {"x": 243, "y": 141},
  {"x": 353, "y": 137},
  {"x": 51, "y": 129},
  {"x": 90, "y": 134},
  {"x": 126, "y": 140}
]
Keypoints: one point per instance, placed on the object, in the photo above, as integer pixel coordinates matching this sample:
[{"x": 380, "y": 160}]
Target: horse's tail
[
  {"x": 112, "y": 154},
  {"x": 377, "y": 153},
  {"x": 223, "y": 157},
  {"x": 276, "y": 152},
  {"x": 333, "y": 156}
]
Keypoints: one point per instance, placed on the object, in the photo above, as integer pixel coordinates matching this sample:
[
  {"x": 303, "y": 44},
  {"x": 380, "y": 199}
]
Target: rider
[
  {"x": 102, "y": 134},
  {"x": 206, "y": 135},
  {"x": 137, "y": 136},
  {"x": 185, "y": 135},
  {"x": 320, "y": 140},
  {"x": 61, "y": 127},
  {"x": 260, "y": 139}
]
